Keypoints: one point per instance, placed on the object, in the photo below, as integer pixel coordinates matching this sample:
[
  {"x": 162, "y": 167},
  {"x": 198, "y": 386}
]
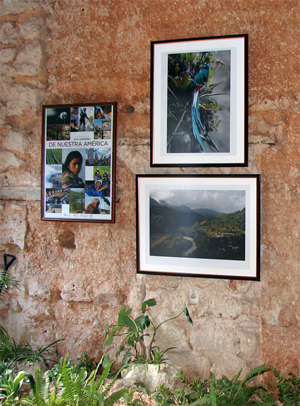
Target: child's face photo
[{"x": 75, "y": 166}]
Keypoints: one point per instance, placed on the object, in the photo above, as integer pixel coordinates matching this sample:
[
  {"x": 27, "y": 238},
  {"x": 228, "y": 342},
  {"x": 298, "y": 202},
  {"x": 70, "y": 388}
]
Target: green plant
[
  {"x": 12, "y": 352},
  {"x": 6, "y": 280},
  {"x": 221, "y": 392},
  {"x": 89, "y": 363},
  {"x": 164, "y": 396},
  {"x": 75, "y": 388},
  {"x": 289, "y": 388},
  {"x": 10, "y": 385},
  {"x": 225, "y": 392},
  {"x": 192, "y": 390},
  {"x": 134, "y": 331},
  {"x": 11, "y": 355}
]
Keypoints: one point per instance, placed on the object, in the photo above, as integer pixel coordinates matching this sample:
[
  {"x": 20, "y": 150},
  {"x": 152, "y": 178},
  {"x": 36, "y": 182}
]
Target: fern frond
[
  {"x": 205, "y": 401},
  {"x": 254, "y": 372},
  {"x": 233, "y": 382},
  {"x": 103, "y": 376},
  {"x": 37, "y": 386},
  {"x": 111, "y": 400},
  {"x": 71, "y": 390},
  {"x": 212, "y": 391},
  {"x": 4, "y": 336}
]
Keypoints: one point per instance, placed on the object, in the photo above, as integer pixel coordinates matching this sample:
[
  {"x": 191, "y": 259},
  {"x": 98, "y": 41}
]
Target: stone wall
[{"x": 76, "y": 276}]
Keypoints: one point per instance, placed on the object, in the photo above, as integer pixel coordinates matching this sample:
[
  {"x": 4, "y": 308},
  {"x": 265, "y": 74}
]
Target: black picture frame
[
  {"x": 199, "y": 225},
  {"x": 199, "y": 102},
  {"x": 79, "y": 162}
]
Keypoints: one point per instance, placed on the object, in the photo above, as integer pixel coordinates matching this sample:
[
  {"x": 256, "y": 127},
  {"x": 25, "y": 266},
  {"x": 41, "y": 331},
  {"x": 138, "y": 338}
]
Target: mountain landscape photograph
[{"x": 206, "y": 224}]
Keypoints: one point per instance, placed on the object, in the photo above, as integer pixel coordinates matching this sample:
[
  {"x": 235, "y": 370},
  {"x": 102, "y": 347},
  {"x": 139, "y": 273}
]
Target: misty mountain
[
  {"x": 207, "y": 212},
  {"x": 153, "y": 202},
  {"x": 179, "y": 231},
  {"x": 170, "y": 218},
  {"x": 182, "y": 208}
]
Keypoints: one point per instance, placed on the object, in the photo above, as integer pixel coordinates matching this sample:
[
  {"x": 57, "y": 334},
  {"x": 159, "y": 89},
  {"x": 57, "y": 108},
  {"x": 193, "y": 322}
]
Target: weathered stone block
[
  {"x": 7, "y": 55},
  {"x": 37, "y": 312},
  {"x": 32, "y": 28},
  {"x": 75, "y": 293},
  {"x": 39, "y": 290},
  {"x": 150, "y": 376},
  {"x": 21, "y": 98},
  {"x": 110, "y": 299},
  {"x": 9, "y": 33},
  {"x": 13, "y": 225},
  {"x": 9, "y": 159},
  {"x": 28, "y": 60}
]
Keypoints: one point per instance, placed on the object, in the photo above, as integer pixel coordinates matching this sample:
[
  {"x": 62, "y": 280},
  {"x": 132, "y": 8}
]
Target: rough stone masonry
[{"x": 76, "y": 276}]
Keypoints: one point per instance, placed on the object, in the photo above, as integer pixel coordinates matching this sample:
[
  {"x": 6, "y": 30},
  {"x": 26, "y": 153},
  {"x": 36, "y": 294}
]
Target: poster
[{"x": 78, "y": 171}]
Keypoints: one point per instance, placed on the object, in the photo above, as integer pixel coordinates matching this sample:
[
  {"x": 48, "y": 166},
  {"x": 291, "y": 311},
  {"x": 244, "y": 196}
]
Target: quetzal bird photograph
[{"x": 198, "y": 115}]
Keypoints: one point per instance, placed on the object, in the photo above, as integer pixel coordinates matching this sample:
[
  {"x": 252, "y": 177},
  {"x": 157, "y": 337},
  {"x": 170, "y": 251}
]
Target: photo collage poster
[{"x": 78, "y": 162}]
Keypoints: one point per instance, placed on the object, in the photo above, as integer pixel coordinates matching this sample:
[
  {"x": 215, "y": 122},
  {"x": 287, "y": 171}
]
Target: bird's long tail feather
[
  {"x": 198, "y": 127},
  {"x": 196, "y": 121}
]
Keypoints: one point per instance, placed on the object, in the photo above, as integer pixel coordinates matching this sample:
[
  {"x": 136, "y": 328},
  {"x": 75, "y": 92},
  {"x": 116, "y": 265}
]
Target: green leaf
[
  {"x": 109, "y": 339},
  {"x": 31, "y": 381},
  {"x": 129, "y": 322},
  {"x": 128, "y": 397},
  {"x": 17, "y": 382},
  {"x": 112, "y": 399},
  {"x": 104, "y": 375},
  {"x": 212, "y": 391},
  {"x": 148, "y": 303},
  {"x": 106, "y": 330},
  {"x": 186, "y": 312},
  {"x": 235, "y": 386},
  {"x": 106, "y": 360},
  {"x": 254, "y": 372},
  {"x": 202, "y": 401},
  {"x": 185, "y": 81},
  {"x": 211, "y": 72},
  {"x": 176, "y": 82},
  {"x": 124, "y": 313},
  {"x": 127, "y": 357},
  {"x": 115, "y": 329},
  {"x": 143, "y": 322}
]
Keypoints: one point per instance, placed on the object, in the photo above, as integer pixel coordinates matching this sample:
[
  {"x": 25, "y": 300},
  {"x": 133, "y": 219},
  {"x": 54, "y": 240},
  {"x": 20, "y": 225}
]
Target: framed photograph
[
  {"x": 79, "y": 162},
  {"x": 199, "y": 225},
  {"x": 199, "y": 102}
]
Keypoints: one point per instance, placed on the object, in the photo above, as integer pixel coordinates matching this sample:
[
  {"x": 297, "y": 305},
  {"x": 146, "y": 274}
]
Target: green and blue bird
[{"x": 199, "y": 81}]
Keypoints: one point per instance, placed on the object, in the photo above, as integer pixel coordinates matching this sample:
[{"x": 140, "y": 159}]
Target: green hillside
[{"x": 183, "y": 232}]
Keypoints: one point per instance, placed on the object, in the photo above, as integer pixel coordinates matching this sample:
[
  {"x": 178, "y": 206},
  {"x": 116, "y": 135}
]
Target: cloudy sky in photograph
[{"x": 222, "y": 201}]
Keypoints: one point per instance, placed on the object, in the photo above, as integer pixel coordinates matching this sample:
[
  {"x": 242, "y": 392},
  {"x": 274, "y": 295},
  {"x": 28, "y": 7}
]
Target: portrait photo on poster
[{"x": 79, "y": 162}]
